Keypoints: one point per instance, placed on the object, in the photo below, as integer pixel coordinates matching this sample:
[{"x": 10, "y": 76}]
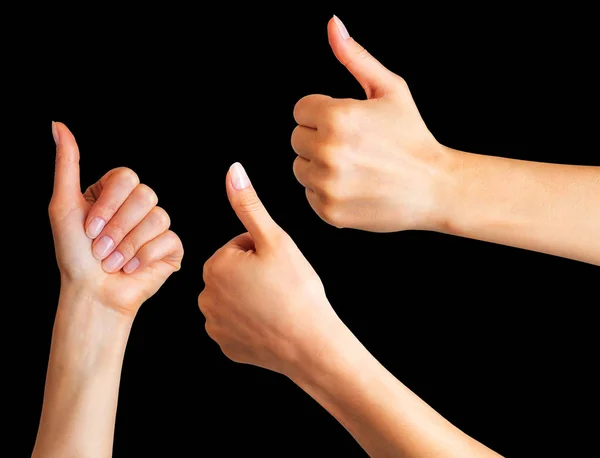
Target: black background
[{"x": 479, "y": 331}]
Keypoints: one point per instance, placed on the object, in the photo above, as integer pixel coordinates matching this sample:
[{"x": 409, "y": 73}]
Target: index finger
[
  {"x": 106, "y": 196},
  {"x": 308, "y": 109}
]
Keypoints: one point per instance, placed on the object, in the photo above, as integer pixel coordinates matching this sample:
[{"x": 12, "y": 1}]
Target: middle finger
[{"x": 139, "y": 203}]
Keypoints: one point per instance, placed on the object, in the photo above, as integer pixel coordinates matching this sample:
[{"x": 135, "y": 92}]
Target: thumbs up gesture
[
  {"x": 113, "y": 243},
  {"x": 263, "y": 302},
  {"x": 369, "y": 164}
]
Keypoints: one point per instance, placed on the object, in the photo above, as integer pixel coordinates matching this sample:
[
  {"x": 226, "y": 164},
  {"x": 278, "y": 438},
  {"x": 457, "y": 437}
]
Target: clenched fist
[
  {"x": 369, "y": 164},
  {"x": 263, "y": 302},
  {"x": 112, "y": 241}
]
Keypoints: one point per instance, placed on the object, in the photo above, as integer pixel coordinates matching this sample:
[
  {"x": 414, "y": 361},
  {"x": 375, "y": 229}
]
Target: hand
[
  {"x": 263, "y": 302},
  {"x": 369, "y": 164},
  {"x": 112, "y": 241}
]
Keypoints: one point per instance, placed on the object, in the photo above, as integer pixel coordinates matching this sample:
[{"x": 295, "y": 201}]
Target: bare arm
[
  {"x": 114, "y": 251},
  {"x": 82, "y": 384},
  {"x": 265, "y": 305},
  {"x": 550, "y": 208},
  {"x": 374, "y": 165},
  {"x": 382, "y": 414}
]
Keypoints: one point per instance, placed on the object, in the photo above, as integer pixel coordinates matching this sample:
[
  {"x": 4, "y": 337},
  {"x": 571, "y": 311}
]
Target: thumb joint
[{"x": 249, "y": 202}]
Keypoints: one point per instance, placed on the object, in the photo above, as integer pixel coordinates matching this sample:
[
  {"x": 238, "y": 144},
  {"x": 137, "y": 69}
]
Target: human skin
[
  {"x": 374, "y": 165},
  {"x": 265, "y": 305},
  {"x": 103, "y": 285}
]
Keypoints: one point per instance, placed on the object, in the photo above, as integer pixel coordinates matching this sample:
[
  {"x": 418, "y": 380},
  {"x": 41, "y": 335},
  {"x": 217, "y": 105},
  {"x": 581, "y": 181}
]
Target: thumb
[
  {"x": 374, "y": 78},
  {"x": 249, "y": 208},
  {"x": 66, "y": 169}
]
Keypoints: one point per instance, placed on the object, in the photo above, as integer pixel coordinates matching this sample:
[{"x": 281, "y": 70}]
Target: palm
[{"x": 69, "y": 210}]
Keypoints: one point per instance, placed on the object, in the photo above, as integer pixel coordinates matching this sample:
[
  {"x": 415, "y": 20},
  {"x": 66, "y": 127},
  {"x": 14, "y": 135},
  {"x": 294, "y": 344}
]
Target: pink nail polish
[
  {"x": 239, "y": 177},
  {"x": 102, "y": 247},
  {"x": 113, "y": 261},
  {"x": 133, "y": 264},
  {"x": 95, "y": 227},
  {"x": 341, "y": 27}
]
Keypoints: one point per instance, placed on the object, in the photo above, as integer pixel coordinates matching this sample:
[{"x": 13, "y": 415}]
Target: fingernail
[
  {"x": 113, "y": 261},
  {"x": 103, "y": 247},
  {"x": 133, "y": 264},
  {"x": 95, "y": 227},
  {"x": 341, "y": 27},
  {"x": 55, "y": 134},
  {"x": 239, "y": 177}
]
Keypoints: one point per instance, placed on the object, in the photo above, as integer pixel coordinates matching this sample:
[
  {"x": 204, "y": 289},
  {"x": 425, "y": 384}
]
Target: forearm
[
  {"x": 82, "y": 383},
  {"x": 383, "y": 415},
  {"x": 549, "y": 208}
]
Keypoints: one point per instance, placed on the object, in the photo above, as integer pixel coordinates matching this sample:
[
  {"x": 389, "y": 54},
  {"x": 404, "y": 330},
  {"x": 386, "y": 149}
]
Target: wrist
[
  {"x": 447, "y": 192},
  {"x": 87, "y": 291},
  {"x": 83, "y": 320},
  {"x": 324, "y": 356}
]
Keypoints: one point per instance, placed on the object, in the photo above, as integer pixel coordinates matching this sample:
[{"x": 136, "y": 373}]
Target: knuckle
[
  {"x": 231, "y": 353},
  {"x": 128, "y": 248},
  {"x": 115, "y": 230},
  {"x": 337, "y": 118},
  {"x": 329, "y": 157},
  {"x": 204, "y": 304},
  {"x": 294, "y": 138},
  {"x": 332, "y": 191},
  {"x": 249, "y": 203},
  {"x": 317, "y": 186},
  {"x": 330, "y": 213},
  {"x": 201, "y": 300},
  {"x": 210, "y": 330},
  {"x": 206, "y": 273},
  {"x": 125, "y": 174},
  {"x": 151, "y": 252},
  {"x": 181, "y": 251},
  {"x": 176, "y": 268},
  {"x": 208, "y": 270},
  {"x": 279, "y": 238},
  {"x": 362, "y": 53},
  {"x": 107, "y": 209},
  {"x": 54, "y": 208},
  {"x": 175, "y": 241},
  {"x": 160, "y": 217},
  {"x": 296, "y": 167},
  {"x": 401, "y": 82},
  {"x": 66, "y": 157},
  {"x": 59, "y": 209},
  {"x": 174, "y": 238},
  {"x": 176, "y": 249},
  {"x": 146, "y": 194},
  {"x": 298, "y": 107}
]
